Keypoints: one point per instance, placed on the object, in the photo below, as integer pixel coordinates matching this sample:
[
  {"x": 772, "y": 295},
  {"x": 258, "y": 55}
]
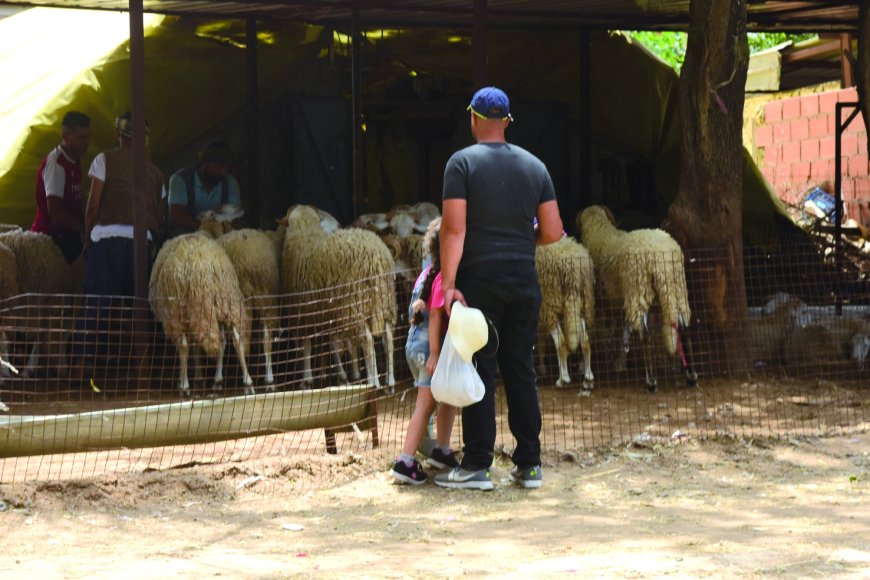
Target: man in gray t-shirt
[{"x": 493, "y": 191}]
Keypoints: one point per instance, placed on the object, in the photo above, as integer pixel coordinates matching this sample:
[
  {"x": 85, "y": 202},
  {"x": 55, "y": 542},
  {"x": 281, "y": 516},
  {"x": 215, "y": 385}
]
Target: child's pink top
[{"x": 436, "y": 297}]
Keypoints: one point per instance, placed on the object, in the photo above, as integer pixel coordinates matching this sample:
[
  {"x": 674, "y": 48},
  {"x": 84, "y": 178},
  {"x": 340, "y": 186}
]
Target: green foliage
[
  {"x": 759, "y": 41},
  {"x": 671, "y": 46},
  {"x": 668, "y": 46}
]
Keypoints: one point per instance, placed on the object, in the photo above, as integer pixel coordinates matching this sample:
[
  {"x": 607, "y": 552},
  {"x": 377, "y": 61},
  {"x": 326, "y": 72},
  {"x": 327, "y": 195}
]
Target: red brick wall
[{"x": 796, "y": 138}]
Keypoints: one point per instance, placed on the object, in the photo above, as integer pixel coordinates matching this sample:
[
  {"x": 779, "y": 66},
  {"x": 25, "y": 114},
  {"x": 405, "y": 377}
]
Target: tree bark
[
  {"x": 708, "y": 209},
  {"x": 862, "y": 72}
]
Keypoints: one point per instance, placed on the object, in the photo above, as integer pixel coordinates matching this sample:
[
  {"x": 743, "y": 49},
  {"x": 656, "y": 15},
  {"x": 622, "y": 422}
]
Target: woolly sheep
[
  {"x": 567, "y": 281},
  {"x": 255, "y": 259},
  {"x": 352, "y": 267},
  {"x": 638, "y": 269},
  {"x": 194, "y": 292},
  {"x": 43, "y": 271},
  {"x": 8, "y": 288}
]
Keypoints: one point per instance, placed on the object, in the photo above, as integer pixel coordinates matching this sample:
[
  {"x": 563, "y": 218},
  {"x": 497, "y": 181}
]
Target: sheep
[
  {"x": 638, "y": 269},
  {"x": 42, "y": 271},
  {"x": 194, "y": 292},
  {"x": 8, "y": 288},
  {"x": 567, "y": 281},
  {"x": 352, "y": 266},
  {"x": 255, "y": 258}
]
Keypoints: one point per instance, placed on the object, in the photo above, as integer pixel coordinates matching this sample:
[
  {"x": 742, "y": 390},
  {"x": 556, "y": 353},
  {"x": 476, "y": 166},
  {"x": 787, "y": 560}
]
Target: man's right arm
[
  {"x": 549, "y": 223},
  {"x": 452, "y": 238}
]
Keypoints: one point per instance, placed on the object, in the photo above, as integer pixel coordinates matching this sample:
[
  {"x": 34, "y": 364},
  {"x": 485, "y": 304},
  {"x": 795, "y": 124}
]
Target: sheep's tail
[
  {"x": 669, "y": 281},
  {"x": 571, "y": 320}
]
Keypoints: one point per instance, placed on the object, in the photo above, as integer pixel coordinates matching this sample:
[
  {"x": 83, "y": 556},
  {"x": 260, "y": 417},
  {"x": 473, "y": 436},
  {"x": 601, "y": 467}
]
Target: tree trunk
[
  {"x": 862, "y": 72},
  {"x": 707, "y": 211}
]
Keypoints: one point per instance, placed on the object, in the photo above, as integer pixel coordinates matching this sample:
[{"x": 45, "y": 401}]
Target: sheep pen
[{"x": 351, "y": 268}]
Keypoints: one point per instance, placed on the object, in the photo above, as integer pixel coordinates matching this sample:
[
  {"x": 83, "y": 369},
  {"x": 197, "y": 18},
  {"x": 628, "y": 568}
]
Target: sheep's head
[
  {"x": 302, "y": 218},
  {"x": 213, "y": 227},
  {"x": 402, "y": 224},
  {"x": 424, "y": 212},
  {"x": 594, "y": 218},
  {"x": 373, "y": 222}
]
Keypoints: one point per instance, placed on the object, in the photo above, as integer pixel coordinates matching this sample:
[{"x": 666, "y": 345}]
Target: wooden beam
[
  {"x": 847, "y": 76},
  {"x": 829, "y": 48}
]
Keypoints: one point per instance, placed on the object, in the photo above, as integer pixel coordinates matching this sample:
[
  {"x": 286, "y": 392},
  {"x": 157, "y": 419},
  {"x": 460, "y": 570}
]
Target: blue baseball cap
[{"x": 491, "y": 103}]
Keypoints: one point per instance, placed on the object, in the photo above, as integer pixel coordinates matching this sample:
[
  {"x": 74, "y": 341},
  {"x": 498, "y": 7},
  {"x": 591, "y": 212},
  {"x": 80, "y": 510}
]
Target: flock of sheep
[{"x": 217, "y": 284}]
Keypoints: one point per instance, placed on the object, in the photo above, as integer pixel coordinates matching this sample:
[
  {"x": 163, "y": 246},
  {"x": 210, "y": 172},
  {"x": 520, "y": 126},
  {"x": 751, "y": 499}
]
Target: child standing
[{"x": 425, "y": 336}]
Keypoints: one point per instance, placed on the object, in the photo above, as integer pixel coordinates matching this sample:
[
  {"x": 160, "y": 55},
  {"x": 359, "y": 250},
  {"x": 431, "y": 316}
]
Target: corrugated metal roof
[{"x": 804, "y": 15}]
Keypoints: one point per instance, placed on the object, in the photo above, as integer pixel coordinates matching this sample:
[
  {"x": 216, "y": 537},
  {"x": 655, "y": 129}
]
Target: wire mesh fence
[{"x": 97, "y": 384}]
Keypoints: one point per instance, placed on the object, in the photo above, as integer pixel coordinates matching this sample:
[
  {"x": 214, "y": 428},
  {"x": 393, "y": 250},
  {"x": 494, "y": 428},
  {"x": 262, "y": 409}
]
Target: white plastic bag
[{"x": 455, "y": 381}]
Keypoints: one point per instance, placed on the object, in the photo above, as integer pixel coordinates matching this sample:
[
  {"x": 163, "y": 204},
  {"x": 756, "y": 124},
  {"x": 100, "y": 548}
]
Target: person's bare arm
[
  {"x": 61, "y": 216},
  {"x": 436, "y": 320},
  {"x": 549, "y": 223},
  {"x": 94, "y": 200},
  {"x": 179, "y": 216},
  {"x": 452, "y": 243}
]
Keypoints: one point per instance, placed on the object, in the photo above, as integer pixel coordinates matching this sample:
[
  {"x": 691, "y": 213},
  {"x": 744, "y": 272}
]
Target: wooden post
[
  {"x": 356, "y": 116},
  {"x": 252, "y": 170},
  {"x": 479, "y": 45}
]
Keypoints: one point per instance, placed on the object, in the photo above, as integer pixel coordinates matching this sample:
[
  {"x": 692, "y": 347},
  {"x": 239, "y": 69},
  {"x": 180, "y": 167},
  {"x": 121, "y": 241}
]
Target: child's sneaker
[
  {"x": 440, "y": 460},
  {"x": 459, "y": 478},
  {"x": 529, "y": 477},
  {"x": 413, "y": 475}
]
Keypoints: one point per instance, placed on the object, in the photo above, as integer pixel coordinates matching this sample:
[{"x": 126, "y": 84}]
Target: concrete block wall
[{"x": 795, "y": 141}]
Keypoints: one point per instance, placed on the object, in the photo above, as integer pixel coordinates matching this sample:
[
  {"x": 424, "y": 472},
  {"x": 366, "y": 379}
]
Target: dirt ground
[{"x": 793, "y": 508}]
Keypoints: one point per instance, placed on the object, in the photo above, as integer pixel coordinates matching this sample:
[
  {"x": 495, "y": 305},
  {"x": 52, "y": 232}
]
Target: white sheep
[
  {"x": 194, "y": 292},
  {"x": 567, "y": 281},
  {"x": 254, "y": 256},
  {"x": 8, "y": 288},
  {"x": 43, "y": 271},
  {"x": 638, "y": 269},
  {"x": 351, "y": 269}
]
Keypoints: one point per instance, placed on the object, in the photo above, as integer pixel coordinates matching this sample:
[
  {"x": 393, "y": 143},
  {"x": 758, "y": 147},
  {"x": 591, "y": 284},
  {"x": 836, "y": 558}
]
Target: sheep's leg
[
  {"x": 388, "y": 348},
  {"x": 371, "y": 359},
  {"x": 648, "y": 364},
  {"x": 29, "y": 370},
  {"x": 354, "y": 359},
  {"x": 183, "y": 352},
  {"x": 684, "y": 347},
  {"x": 267, "y": 352},
  {"x": 561, "y": 354},
  {"x": 5, "y": 361},
  {"x": 588, "y": 378},
  {"x": 620, "y": 363},
  {"x": 335, "y": 346},
  {"x": 307, "y": 376},
  {"x": 219, "y": 367},
  {"x": 240, "y": 351}
]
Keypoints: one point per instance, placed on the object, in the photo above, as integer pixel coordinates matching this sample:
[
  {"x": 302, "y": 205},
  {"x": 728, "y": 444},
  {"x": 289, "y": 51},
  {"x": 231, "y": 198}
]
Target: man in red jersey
[{"x": 59, "y": 207}]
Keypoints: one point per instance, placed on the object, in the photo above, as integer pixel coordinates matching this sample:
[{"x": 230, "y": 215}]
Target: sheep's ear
[{"x": 610, "y": 215}]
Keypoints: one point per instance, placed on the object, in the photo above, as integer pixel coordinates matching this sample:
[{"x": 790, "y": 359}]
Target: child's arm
[{"x": 435, "y": 323}]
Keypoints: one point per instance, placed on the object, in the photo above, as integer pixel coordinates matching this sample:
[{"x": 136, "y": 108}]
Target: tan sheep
[
  {"x": 637, "y": 270},
  {"x": 194, "y": 292},
  {"x": 44, "y": 273},
  {"x": 352, "y": 269},
  {"x": 255, "y": 259},
  {"x": 567, "y": 281},
  {"x": 8, "y": 288}
]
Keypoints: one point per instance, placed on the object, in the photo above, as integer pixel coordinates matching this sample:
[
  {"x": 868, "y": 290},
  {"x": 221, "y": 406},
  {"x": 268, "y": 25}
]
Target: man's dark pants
[
  {"x": 109, "y": 281},
  {"x": 508, "y": 294}
]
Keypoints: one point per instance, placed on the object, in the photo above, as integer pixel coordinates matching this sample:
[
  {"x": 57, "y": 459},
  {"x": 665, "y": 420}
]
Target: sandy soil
[{"x": 794, "y": 508}]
